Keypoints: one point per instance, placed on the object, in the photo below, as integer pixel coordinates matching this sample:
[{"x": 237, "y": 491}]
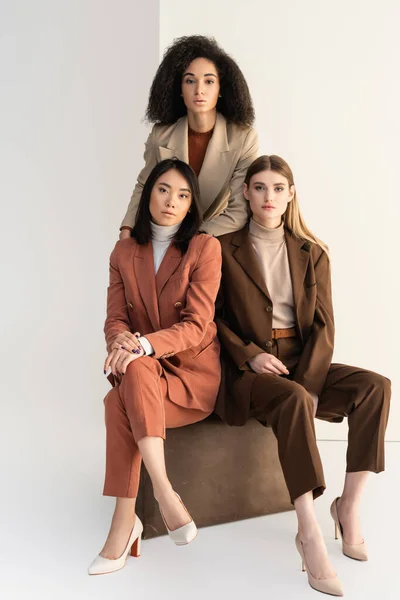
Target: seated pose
[
  {"x": 163, "y": 351},
  {"x": 202, "y": 110},
  {"x": 275, "y": 323}
]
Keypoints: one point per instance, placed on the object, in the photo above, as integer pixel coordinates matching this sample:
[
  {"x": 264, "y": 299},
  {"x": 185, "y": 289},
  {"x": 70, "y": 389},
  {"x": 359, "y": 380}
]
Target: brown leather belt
[{"x": 283, "y": 333}]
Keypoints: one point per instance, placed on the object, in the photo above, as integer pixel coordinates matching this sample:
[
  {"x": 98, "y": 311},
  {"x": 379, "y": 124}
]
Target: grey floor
[{"x": 46, "y": 555}]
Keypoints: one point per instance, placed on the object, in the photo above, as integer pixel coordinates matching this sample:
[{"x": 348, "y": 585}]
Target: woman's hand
[
  {"x": 119, "y": 360},
  {"x": 267, "y": 363},
  {"x": 127, "y": 341}
]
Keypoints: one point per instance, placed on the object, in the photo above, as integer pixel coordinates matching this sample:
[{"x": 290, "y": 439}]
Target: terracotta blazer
[
  {"x": 229, "y": 153},
  {"x": 245, "y": 326},
  {"x": 174, "y": 310}
]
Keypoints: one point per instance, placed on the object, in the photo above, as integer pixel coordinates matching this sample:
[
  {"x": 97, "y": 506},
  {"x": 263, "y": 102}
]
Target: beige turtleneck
[{"x": 270, "y": 248}]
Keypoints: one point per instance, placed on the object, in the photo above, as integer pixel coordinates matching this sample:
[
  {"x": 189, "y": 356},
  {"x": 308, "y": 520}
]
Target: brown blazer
[
  {"x": 245, "y": 326},
  {"x": 174, "y": 310},
  {"x": 230, "y": 152}
]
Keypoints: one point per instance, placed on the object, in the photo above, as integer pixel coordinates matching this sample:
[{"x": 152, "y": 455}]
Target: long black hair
[
  {"x": 165, "y": 102},
  {"x": 190, "y": 224}
]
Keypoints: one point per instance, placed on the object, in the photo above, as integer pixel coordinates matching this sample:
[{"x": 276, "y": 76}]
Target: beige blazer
[{"x": 230, "y": 152}]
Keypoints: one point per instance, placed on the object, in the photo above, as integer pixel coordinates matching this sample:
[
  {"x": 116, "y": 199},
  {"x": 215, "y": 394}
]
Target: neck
[
  {"x": 202, "y": 122},
  {"x": 268, "y": 223}
]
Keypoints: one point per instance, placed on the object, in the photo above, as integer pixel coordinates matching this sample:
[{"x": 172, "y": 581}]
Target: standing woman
[
  {"x": 163, "y": 285},
  {"x": 275, "y": 324},
  {"x": 203, "y": 113}
]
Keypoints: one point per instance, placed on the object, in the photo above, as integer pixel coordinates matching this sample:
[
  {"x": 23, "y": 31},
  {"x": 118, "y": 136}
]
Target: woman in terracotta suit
[
  {"x": 275, "y": 324},
  {"x": 162, "y": 348},
  {"x": 202, "y": 110}
]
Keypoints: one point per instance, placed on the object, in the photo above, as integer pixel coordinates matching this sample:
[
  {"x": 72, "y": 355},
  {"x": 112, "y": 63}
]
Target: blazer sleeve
[
  {"x": 239, "y": 350},
  {"x": 316, "y": 357},
  {"x": 235, "y": 215},
  {"x": 117, "y": 320},
  {"x": 200, "y": 305},
  {"x": 150, "y": 159}
]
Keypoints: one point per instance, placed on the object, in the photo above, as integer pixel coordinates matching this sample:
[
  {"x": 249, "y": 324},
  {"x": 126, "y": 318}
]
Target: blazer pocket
[{"x": 197, "y": 352}]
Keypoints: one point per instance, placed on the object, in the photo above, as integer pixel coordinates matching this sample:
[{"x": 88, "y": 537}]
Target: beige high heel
[
  {"x": 358, "y": 551},
  {"x": 330, "y": 586},
  {"x": 183, "y": 535},
  {"x": 101, "y": 565}
]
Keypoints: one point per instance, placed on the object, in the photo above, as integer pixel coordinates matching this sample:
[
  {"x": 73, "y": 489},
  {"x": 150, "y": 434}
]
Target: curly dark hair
[{"x": 165, "y": 102}]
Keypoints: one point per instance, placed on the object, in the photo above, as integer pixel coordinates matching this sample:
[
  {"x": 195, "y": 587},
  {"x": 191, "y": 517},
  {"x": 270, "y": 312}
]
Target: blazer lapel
[
  {"x": 246, "y": 257},
  {"x": 177, "y": 146},
  {"x": 216, "y": 165},
  {"x": 298, "y": 256},
  {"x": 144, "y": 270},
  {"x": 171, "y": 261}
]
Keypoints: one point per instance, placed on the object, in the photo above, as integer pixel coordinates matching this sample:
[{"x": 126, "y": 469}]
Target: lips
[{"x": 170, "y": 214}]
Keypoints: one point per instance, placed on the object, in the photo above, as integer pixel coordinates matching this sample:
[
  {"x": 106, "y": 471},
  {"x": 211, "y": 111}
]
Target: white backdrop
[
  {"x": 75, "y": 76},
  {"x": 324, "y": 80}
]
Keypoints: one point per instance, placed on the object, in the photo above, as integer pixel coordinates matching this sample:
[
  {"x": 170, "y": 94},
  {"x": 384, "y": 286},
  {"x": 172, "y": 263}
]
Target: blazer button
[
  {"x": 130, "y": 304},
  {"x": 269, "y": 309},
  {"x": 178, "y": 304},
  {"x": 268, "y": 344}
]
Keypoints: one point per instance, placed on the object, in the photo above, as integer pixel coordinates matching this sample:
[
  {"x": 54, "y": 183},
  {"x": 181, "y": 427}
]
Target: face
[
  {"x": 200, "y": 86},
  {"x": 170, "y": 198},
  {"x": 269, "y": 194}
]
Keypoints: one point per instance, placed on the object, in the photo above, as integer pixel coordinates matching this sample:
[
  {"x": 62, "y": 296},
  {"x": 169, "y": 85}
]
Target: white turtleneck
[
  {"x": 270, "y": 248},
  {"x": 161, "y": 237}
]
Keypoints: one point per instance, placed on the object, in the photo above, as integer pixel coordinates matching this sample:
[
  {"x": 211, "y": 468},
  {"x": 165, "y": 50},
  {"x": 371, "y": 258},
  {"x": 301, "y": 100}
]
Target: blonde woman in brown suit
[
  {"x": 163, "y": 352},
  {"x": 275, "y": 324},
  {"x": 203, "y": 115}
]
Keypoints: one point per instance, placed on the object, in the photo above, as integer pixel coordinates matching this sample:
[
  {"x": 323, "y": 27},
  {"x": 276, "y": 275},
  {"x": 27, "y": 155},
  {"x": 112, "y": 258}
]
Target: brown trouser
[
  {"x": 361, "y": 396},
  {"x": 137, "y": 408}
]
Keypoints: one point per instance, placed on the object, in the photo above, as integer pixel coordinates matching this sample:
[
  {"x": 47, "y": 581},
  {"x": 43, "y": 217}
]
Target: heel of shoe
[
  {"x": 136, "y": 547},
  {"x": 336, "y": 531}
]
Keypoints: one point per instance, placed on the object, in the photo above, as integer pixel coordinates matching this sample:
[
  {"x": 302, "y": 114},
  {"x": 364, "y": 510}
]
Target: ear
[
  {"x": 246, "y": 191},
  {"x": 292, "y": 191}
]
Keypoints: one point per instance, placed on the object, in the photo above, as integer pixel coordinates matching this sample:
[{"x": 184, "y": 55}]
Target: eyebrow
[
  {"x": 168, "y": 186},
  {"x": 205, "y": 74},
  {"x": 262, "y": 183}
]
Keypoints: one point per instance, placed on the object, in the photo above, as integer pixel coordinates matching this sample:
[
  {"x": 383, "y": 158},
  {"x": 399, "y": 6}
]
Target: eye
[
  {"x": 162, "y": 189},
  {"x": 188, "y": 80},
  {"x": 184, "y": 196},
  {"x": 279, "y": 189},
  {"x": 259, "y": 188},
  {"x": 210, "y": 81}
]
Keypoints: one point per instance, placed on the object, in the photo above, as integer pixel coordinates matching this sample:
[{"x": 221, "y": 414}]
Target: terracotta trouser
[
  {"x": 361, "y": 396},
  {"x": 137, "y": 408}
]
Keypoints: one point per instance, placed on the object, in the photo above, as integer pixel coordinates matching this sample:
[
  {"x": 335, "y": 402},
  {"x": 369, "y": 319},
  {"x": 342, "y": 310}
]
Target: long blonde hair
[{"x": 292, "y": 218}]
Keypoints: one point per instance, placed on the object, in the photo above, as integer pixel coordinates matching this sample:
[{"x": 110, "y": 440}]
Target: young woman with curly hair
[
  {"x": 203, "y": 115},
  {"x": 276, "y": 327}
]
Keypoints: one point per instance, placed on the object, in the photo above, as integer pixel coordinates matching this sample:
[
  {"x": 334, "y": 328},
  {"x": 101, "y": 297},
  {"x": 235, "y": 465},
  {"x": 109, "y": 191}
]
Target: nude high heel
[
  {"x": 183, "y": 535},
  {"x": 330, "y": 586},
  {"x": 358, "y": 551},
  {"x": 101, "y": 565}
]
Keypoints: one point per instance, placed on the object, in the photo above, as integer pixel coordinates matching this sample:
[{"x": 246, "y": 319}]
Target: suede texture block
[{"x": 222, "y": 473}]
